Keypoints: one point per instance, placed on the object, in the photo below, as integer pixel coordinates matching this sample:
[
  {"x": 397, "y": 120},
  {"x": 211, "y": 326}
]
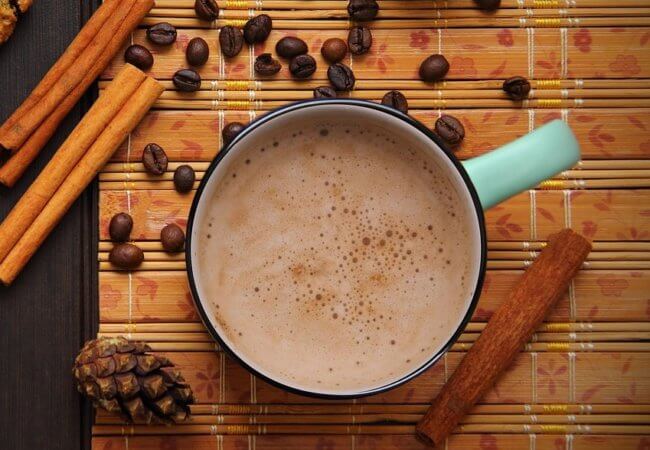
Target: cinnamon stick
[
  {"x": 74, "y": 50},
  {"x": 67, "y": 156},
  {"x": 511, "y": 326},
  {"x": 14, "y": 168},
  {"x": 82, "y": 174},
  {"x": 77, "y": 77}
]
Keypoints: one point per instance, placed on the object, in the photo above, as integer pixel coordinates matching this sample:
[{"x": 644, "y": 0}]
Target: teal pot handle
[{"x": 524, "y": 163}]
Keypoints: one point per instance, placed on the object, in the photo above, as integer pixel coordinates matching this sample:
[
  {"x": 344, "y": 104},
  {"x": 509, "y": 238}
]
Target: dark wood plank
[{"x": 51, "y": 309}]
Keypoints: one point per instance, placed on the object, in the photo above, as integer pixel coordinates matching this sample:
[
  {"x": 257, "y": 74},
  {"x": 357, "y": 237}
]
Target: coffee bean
[
  {"x": 396, "y": 100},
  {"x": 450, "y": 129},
  {"x": 139, "y": 56},
  {"x": 434, "y": 68},
  {"x": 517, "y": 88},
  {"x": 363, "y": 10},
  {"x": 197, "y": 52},
  {"x": 334, "y": 50},
  {"x": 172, "y": 238},
  {"x": 187, "y": 80},
  {"x": 488, "y": 5},
  {"x": 154, "y": 159},
  {"x": 290, "y": 46},
  {"x": 126, "y": 256},
  {"x": 231, "y": 131},
  {"x": 359, "y": 40},
  {"x": 258, "y": 29},
  {"x": 162, "y": 33},
  {"x": 341, "y": 77},
  {"x": 324, "y": 92},
  {"x": 120, "y": 227},
  {"x": 231, "y": 41},
  {"x": 302, "y": 66},
  {"x": 184, "y": 178},
  {"x": 265, "y": 65},
  {"x": 206, "y": 9}
]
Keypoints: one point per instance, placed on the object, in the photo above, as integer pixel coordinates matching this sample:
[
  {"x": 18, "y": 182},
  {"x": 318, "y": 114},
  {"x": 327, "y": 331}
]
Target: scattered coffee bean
[
  {"x": 396, "y": 100},
  {"x": 341, "y": 77},
  {"x": 290, "y": 46},
  {"x": 187, "y": 80},
  {"x": 359, "y": 40},
  {"x": 139, "y": 56},
  {"x": 324, "y": 92},
  {"x": 258, "y": 29},
  {"x": 162, "y": 33},
  {"x": 450, "y": 129},
  {"x": 172, "y": 238},
  {"x": 488, "y": 5},
  {"x": 184, "y": 178},
  {"x": 197, "y": 52},
  {"x": 126, "y": 256},
  {"x": 154, "y": 159},
  {"x": 231, "y": 41},
  {"x": 363, "y": 10},
  {"x": 266, "y": 65},
  {"x": 434, "y": 68},
  {"x": 334, "y": 50},
  {"x": 231, "y": 131},
  {"x": 120, "y": 227},
  {"x": 517, "y": 88},
  {"x": 302, "y": 66},
  {"x": 206, "y": 9}
]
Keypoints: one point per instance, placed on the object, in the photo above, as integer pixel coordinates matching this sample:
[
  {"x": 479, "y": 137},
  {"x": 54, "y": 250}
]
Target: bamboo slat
[
  {"x": 388, "y": 442},
  {"x": 101, "y": 430},
  {"x": 550, "y": 328},
  {"x": 406, "y": 13},
  {"x": 477, "y": 22},
  {"x": 413, "y": 4}
]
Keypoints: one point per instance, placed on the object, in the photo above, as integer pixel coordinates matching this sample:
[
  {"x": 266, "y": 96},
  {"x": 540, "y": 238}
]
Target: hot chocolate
[{"x": 335, "y": 257}]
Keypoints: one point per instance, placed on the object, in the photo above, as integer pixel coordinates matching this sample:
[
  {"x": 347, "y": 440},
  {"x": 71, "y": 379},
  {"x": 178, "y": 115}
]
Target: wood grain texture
[{"x": 51, "y": 309}]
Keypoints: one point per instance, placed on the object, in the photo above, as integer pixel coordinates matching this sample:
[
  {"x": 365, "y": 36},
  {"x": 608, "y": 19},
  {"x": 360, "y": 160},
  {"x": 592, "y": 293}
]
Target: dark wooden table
[{"x": 52, "y": 307}]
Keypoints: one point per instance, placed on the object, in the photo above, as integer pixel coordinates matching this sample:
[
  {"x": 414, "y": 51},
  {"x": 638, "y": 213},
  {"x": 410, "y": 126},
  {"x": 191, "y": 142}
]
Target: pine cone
[{"x": 121, "y": 377}]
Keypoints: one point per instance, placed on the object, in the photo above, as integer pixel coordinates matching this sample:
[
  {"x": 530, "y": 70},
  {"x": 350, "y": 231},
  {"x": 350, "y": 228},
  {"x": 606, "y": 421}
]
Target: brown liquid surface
[{"x": 336, "y": 259}]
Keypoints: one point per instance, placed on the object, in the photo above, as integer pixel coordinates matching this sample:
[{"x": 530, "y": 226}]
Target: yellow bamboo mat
[{"x": 583, "y": 381}]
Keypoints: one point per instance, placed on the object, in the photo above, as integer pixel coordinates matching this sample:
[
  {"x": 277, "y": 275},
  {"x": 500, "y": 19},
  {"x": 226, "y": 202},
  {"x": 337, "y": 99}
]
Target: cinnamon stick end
[{"x": 422, "y": 436}]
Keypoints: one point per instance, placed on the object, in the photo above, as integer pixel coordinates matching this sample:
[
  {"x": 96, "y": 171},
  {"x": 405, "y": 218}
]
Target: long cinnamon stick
[
  {"x": 14, "y": 168},
  {"x": 83, "y": 173},
  {"x": 74, "y": 50},
  {"x": 508, "y": 330},
  {"x": 68, "y": 155},
  {"x": 93, "y": 59}
]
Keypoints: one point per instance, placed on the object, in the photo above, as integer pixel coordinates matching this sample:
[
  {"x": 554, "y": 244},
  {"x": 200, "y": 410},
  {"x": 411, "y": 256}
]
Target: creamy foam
[{"x": 335, "y": 257}]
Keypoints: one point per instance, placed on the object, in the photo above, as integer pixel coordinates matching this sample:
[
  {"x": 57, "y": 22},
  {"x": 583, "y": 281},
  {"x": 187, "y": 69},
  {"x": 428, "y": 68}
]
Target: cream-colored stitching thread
[
  {"x": 533, "y": 214},
  {"x": 222, "y": 122},
  {"x": 530, "y": 33},
  {"x": 126, "y": 443},
  {"x": 564, "y": 52},
  {"x": 572, "y": 377},
  {"x": 568, "y": 442},
  {"x": 532, "y": 440}
]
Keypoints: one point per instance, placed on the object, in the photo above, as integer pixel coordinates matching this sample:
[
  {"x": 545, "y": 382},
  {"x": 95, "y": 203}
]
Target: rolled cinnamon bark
[
  {"x": 74, "y": 80},
  {"x": 14, "y": 168},
  {"x": 74, "y": 50},
  {"x": 82, "y": 174},
  {"x": 510, "y": 327},
  {"x": 68, "y": 155}
]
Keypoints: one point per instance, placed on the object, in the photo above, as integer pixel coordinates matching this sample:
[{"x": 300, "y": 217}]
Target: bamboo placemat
[{"x": 583, "y": 382}]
